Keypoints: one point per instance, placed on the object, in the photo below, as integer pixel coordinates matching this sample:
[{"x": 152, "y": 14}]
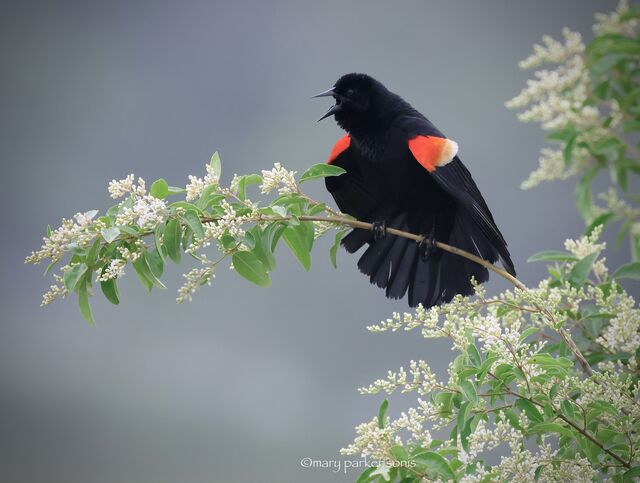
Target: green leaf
[
  {"x": 461, "y": 419},
  {"x": 612, "y": 44},
  {"x": 581, "y": 269},
  {"x": 207, "y": 197},
  {"x": 192, "y": 220},
  {"x": 469, "y": 391},
  {"x": 550, "y": 428},
  {"x": 567, "y": 152},
  {"x": 399, "y": 453},
  {"x": 110, "y": 291},
  {"x": 630, "y": 270},
  {"x": 262, "y": 246},
  {"x": 567, "y": 409},
  {"x": 51, "y": 265},
  {"x": 129, "y": 230},
  {"x": 158, "y": 234},
  {"x": 528, "y": 332},
  {"x": 474, "y": 355},
  {"x": 185, "y": 205},
  {"x": 552, "y": 256},
  {"x": 631, "y": 125},
  {"x": 175, "y": 190},
  {"x": 159, "y": 189},
  {"x": 171, "y": 239},
  {"x": 83, "y": 299},
  {"x": 216, "y": 164},
  {"x": 512, "y": 418},
  {"x": 299, "y": 239},
  {"x": 632, "y": 473},
  {"x": 436, "y": 463},
  {"x": 110, "y": 234},
  {"x": 321, "y": 170},
  {"x": 584, "y": 198},
  {"x": 529, "y": 409},
  {"x": 92, "y": 255},
  {"x": 144, "y": 273},
  {"x": 155, "y": 262},
  {"x": 251, "y": 268},
  {"x": 72, "y": 276},
  {"x": 245, "y": 181},
  {"x": 562, "y": 135},
  {"x": 382, "y": 414},
  {"x": 365, "y": 476},
  {"x": 602, "y": 219},
  {"x": 333, "y": 251}
]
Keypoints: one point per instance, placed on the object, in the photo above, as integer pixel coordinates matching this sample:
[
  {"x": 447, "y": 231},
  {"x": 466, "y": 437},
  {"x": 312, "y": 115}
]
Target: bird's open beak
[{"x": 335, "y": 108}]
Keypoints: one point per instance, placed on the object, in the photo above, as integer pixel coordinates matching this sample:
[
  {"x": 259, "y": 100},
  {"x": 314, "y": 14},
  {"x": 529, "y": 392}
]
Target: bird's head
[{"x": 358, "y": 99}]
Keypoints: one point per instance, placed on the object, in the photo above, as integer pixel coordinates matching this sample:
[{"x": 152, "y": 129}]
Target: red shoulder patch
[
  {"x": 432, "y": 152},
  {"x": 341, "y": 146}
]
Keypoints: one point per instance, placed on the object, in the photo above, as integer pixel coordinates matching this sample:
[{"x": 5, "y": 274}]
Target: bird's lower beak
[{"x": 335, "y": 108}]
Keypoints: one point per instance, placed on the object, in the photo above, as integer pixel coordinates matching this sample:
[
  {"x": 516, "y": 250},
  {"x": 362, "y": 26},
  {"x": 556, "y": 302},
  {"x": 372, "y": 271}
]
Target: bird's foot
[
  {"x": 427, "y": 246},
  {"x": 379, "y": 230}
]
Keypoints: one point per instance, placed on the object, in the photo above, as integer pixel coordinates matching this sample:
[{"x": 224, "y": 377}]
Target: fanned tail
[{"x": 396, "y": 264}]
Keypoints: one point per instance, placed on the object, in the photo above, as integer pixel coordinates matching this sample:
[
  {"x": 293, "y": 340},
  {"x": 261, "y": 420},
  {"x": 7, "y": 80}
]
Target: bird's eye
[{"x": 350, "y": 93}]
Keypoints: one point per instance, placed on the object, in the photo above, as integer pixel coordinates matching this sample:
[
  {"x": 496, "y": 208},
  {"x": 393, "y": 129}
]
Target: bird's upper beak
[
  {"x": 327, "y": 93},
  {"x": 333, "y": 109}
]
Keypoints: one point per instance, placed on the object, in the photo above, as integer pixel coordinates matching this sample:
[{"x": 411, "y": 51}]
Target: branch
[{"x": 418, "y": 238}]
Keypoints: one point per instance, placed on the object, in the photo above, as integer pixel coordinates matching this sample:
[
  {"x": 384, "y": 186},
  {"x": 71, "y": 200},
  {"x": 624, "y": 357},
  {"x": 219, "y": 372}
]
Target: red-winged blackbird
[{"x": 402, "y": 172}]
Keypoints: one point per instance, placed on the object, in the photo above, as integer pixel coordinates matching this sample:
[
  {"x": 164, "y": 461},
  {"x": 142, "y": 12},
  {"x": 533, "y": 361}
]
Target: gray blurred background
[{"x": 244, "y": 382}]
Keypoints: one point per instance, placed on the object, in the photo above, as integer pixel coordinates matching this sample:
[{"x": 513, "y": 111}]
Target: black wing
[{"x": 456, "y": 180}]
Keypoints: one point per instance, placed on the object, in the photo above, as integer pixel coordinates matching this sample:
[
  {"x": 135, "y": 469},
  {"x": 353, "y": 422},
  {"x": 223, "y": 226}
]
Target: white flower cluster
[
  {"x": 149, "y": 210},
  {"x": 373, "y": 441},
  {"x": 57, "y": 290},
  {"x": 278, "y": 178},
  {"x": 230, "y": 223},
  {"x": 123, "y": 187},
  {"x": 77, "y": 233},
  {"x": 195, "y": 279},
  {"x": 622, "y": 334},
  {"x": 613, "y": 23},
  {"x": 553, "y": 51},
  {"x": 113, "y": 271},
  {"x": 552, "y": 167},
  {"x": 586, "y": 245},
  {"x": 321, "y": 227},
  {"x": 128, "y": 255},
  {"x": 423, "y": 380},
  {"x": 619, "y": 207},
  {"x": 558, "y": 97},
  {"x": 196, "y": 185},
  {"x": 485, "y": 439}
]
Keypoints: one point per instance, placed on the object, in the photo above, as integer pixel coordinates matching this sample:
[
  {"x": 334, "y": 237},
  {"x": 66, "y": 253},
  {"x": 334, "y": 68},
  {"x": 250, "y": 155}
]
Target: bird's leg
[
  {"x": 427, "y": 246},
  {"x": 379, "y": 230}
]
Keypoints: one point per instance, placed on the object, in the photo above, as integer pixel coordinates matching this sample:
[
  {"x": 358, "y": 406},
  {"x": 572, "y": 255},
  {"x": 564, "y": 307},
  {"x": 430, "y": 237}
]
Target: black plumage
[{"x": 419, "y": 189}]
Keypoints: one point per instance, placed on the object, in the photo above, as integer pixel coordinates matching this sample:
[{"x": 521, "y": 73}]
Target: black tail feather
[{"x": 395, "y": 263}]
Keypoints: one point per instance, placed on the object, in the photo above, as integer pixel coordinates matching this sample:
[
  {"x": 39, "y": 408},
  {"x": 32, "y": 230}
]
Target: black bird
[{"x": 402, "y": 172}]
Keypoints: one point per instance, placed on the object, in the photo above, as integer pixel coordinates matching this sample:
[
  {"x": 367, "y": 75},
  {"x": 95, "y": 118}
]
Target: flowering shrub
[
  {"x": 589, "y": 102},
  {"x": 547, "y": 378}
]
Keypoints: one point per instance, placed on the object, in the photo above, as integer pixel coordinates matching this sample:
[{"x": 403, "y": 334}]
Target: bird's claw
[
  {"x": 427, "y": 246},
  {"x": 379, "y": 230}
]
